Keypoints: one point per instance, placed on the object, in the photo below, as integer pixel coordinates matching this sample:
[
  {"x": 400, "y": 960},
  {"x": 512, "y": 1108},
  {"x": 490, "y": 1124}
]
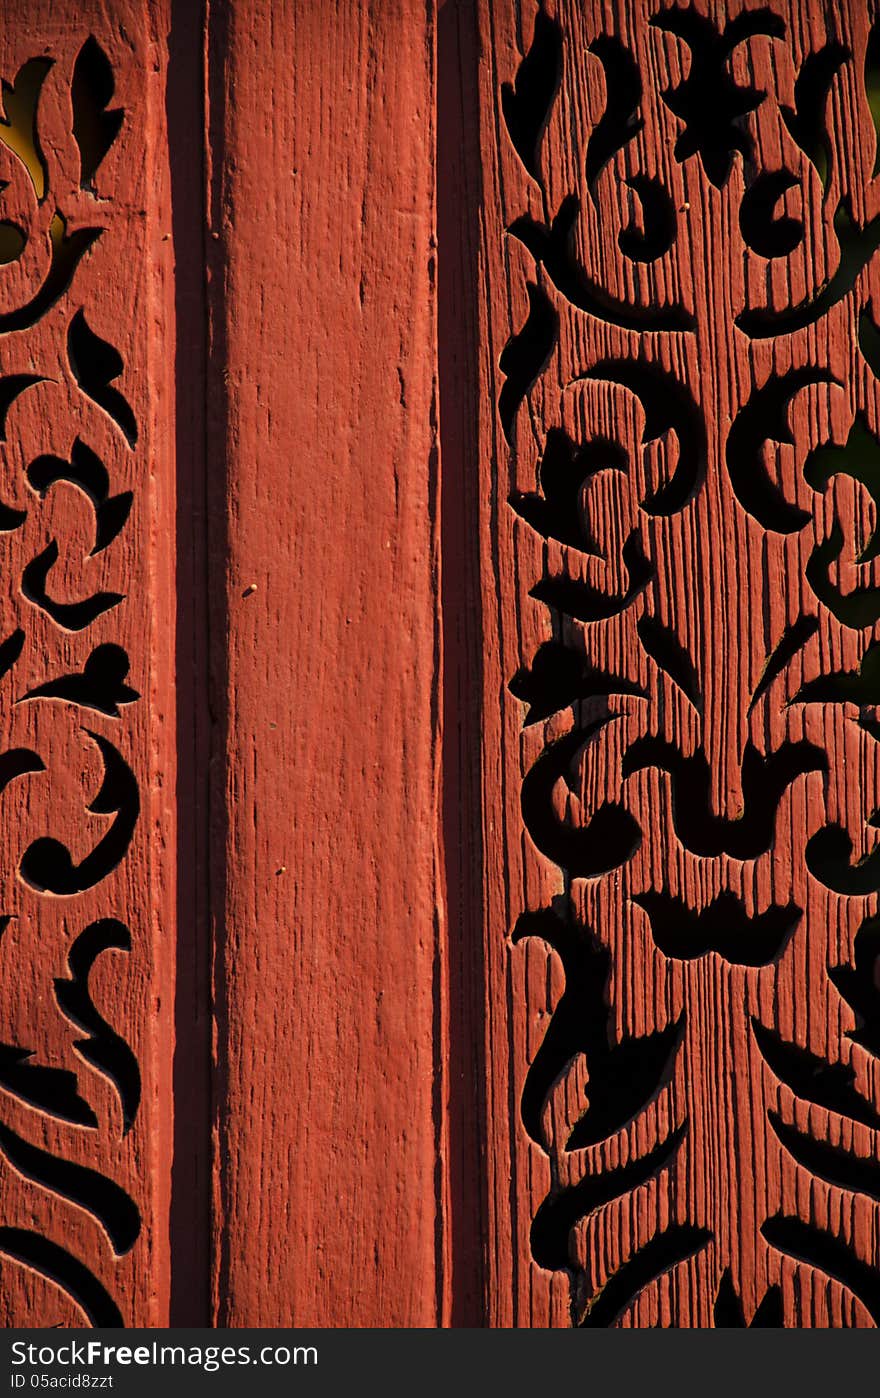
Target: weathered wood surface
[
  {"x": 87, "y": 825},
  {"x": 329, "y": 1158},
  {"x": 627, "y": 731},
  {"x": 683, "y": 1093}
]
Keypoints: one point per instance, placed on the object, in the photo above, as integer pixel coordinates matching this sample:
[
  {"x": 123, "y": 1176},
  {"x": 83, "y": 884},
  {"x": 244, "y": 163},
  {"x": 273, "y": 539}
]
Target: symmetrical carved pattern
[
  {"x": 690, "y": 410},
  {"x": 78, "y": 902}
]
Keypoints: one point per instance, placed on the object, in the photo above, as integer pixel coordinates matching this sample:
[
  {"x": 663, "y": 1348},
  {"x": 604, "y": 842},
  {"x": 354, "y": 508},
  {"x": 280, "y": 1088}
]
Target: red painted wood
[
  {"x": 84, "y": 1202},
  {"x": 329, "y": 1150},
  {"x": 426, "y": 1032},
  {"x": 736, "y": 1175}
]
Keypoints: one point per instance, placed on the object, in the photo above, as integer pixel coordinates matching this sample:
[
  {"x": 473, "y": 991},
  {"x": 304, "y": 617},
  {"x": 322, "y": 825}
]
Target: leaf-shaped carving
[
  {"x": 828, "y": 1085},
  {"x": 100, "y": 686},
  {"x": 18, "y": 125},
  {"x": 53, "y": 1091},
  {"x": 561, "y": 1211},
  {"x": 764, "y": 782},
  {"x": 67, "y": 251},
  {"x": 828, "y": 856},
  {"x": 579, "y": 1023},
  {"x": 526, "y": 104},
  {"x": 657, "y": 233},
  {"x": 806, "y": 122},
  {"x": 525, "y": 355},
  {"x": 861, "y": 686},
  {"x": 584, "y": 602},
  {"x": 72, "y": 616},
  {"x": 87, "y": 471},
  {"x": 766, "y": 233},
  {"x": 610, "y": 837},
  {"x": 560, "y": 676},
  {"x": 624, "y": 1075},
  {"x": 553, "y": 248},
  {"x": 669, "y": 655},
  {"x": 857, "y": 247},
  {"x": 620, "y": 122},
  {"x": 564, "y": 470},
  {"x": 665, "y": 1250},
  {"x": 628, "y": 1077},
  {"x": 710, "y": 102},
  {"x": 91, "y": 91},
  {"x": 106, "y": 1050},
  {"x": 95, "y": 363},
  {"x": 792, "y": 640},
  {"x": 47, "y": 864},
  {"x": 95, "y": 1193},
  {"x": 856, "y": 609},
  {"x": 765, "y": 418},
  {"x": 66, "y": 1271},
  {"x": 837, "y": 1166},
  {"x": 858, "y": 459},
  {"x": 859, "y": 985},
  {"x": 723, "y": 926},
  {"x": 669, "y": 407},
  {"x": 830, "y": 1254}
]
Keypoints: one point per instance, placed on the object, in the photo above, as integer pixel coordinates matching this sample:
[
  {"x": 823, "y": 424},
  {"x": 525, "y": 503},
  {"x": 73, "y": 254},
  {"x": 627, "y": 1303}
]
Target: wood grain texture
[
  {"x": 725, "y": 1169},
  {"x": 542, "y": 886},
  {"x": 87, "y": 950},
  {"x": 329, "y": 1158}
]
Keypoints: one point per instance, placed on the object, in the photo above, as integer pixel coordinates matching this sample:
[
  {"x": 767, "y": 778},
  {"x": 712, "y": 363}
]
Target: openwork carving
[
  {"x": 72, "y": 799},
  {"x": 689, "y": 397}
]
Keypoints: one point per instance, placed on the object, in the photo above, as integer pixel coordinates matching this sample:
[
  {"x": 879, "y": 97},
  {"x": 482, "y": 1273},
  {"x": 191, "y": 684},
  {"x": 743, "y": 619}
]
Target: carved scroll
[
  {"x": 681, "y": 455},
  {"x": 86, "y": 776}
]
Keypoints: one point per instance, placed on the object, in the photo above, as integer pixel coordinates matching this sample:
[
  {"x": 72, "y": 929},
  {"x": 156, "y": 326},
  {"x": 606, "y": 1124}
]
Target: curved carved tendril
[{"x": 47, "y": 865}]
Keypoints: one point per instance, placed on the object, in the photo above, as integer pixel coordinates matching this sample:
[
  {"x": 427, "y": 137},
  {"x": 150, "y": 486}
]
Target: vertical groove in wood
[
  {"x": 218, "y": 15},
  {"x": 200, "y": 642},
  {"x": 458, "y": 186}
]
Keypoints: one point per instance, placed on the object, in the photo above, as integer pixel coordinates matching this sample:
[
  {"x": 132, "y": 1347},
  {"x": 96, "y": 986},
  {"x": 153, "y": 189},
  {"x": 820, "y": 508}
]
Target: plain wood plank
[{"x": 328, "y": 1135}]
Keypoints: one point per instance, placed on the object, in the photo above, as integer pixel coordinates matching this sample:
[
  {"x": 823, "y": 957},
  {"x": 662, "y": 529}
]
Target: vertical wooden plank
[
  {"x": 679, "y": 471},
  {"x": 328, "y": 1159},
  {"x": 87, "y": 827}
]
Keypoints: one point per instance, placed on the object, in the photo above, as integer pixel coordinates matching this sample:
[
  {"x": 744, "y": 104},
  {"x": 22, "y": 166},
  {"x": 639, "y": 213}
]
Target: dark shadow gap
[
  {"x": 459, "y": 193},
  {"x": 191, "y": 1210}
]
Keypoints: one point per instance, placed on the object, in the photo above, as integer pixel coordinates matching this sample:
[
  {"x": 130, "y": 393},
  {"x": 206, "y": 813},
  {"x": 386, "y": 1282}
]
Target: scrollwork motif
[
  {"x": 79, "y": 872},
  {"x": 702, "y": 787}
]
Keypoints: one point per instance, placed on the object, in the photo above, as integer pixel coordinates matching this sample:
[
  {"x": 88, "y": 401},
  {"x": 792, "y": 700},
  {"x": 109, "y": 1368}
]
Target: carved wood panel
[
  {"x": 532, "y": 947},
  {"x": 301, "y": 1123},
  {"x": 87, "y": 931},
  {"x": 680, "y": 468}
]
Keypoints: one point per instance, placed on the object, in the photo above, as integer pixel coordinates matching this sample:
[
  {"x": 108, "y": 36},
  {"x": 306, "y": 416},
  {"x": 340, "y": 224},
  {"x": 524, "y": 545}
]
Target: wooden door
[{"x": 438, "y": 793}]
